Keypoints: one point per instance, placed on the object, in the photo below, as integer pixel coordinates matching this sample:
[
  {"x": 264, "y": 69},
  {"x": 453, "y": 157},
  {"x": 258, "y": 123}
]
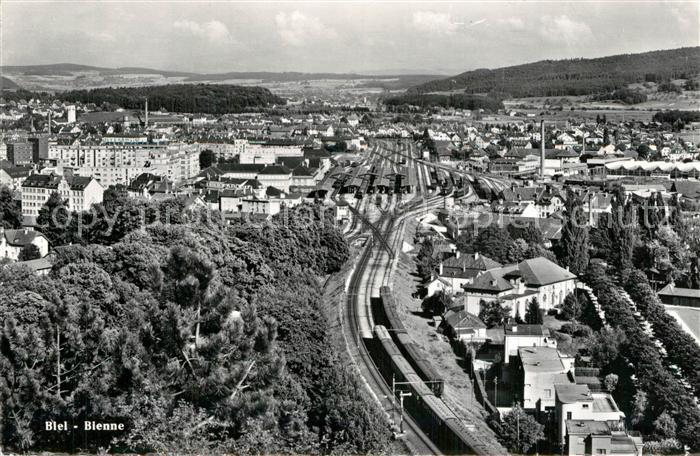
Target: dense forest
[
  {"x": 459, "y": 101},
  {"x": 199, "y": 98},
  {"x": 673, "y": 116},
  {"x": 201, "y": 337},
  {"x": 575, "y": 76}
]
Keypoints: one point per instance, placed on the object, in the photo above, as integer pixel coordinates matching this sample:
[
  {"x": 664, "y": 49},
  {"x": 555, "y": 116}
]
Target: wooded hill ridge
[
  {"x": 572, "y": 76},
  {"x": 199, "y": 98}
]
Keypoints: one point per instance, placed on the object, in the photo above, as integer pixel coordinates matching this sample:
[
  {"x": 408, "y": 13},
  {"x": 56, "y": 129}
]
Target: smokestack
[
  {"x": 49, "y": 122},
  {"x": 542, "y": 148},
  {"x": 146, "y": 112}
]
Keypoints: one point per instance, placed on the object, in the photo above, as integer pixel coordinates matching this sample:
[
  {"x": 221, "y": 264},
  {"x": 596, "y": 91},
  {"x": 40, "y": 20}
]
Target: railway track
[{"x": 416, "y": 441}]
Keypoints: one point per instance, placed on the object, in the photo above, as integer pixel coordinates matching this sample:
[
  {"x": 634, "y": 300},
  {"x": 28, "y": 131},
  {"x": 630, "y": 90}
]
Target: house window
[
  {"x": 568, "y": 415},
  {"x": 601, "y": 451},
  {"x": 585, "y": 406},
  {"x": 548, "y": 393}
]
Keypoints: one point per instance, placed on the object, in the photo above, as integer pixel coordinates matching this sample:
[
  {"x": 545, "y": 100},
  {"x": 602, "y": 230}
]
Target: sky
[{"x": 359, "y": 37}]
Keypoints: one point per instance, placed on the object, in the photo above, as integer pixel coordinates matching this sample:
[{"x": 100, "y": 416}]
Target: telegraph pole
[
  {"x": 393, "y": 395},
  {"x": 401, "y": 396},
  {"x": 495, "y": 392}
]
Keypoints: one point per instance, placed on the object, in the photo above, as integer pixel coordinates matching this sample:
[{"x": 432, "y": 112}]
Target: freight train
[{"x": 449, "y": 433}]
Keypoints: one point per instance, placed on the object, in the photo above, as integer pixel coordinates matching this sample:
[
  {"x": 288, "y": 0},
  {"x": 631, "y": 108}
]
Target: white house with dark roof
[
  {"x": 539, "y": 369},
  {"x": 13, "y": 241},
  {"x": 458, "y": 270},
  {"x": 590, "y": 422},
  {"x": 278, "y": 176},
  {"x": 517, "y": 284}
]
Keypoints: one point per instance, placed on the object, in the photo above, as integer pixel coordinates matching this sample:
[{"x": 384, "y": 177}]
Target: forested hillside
[
  {"x": 200, "y": 337},
  {"x": 575, "y": 76},
  {"x": 198, "y": 98},
  {"x": 459, "y": 101}
]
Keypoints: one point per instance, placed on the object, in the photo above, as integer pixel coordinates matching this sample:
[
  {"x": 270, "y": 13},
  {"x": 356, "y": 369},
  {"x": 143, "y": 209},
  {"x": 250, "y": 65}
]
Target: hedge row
[
  {"x": 681, "y": 347},
  {"x": 664, "y": 392}
]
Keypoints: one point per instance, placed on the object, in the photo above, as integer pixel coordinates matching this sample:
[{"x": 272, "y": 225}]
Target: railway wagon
[
  {"x": 386, "y": 312},
  {"x": 433, "y": 179},
  {"x": 462, "y": 439},
  {"x": 382, "y": 350},
  {"x": 420, "y": 363},
  {"x": 431, "y": 414}
]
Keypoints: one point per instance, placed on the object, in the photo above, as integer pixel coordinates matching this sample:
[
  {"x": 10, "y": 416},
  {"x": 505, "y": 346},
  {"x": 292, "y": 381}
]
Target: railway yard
[{"x": 385, "y": 192}]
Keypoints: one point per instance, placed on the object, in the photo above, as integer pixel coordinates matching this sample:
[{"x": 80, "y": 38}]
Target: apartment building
[
  {"x": 225, "y": 150},
  {"x": 79, "y": 192},
  {"x": 269, "y": 152},
  {"x": 591, "y": 423},
  {"x": 19, "y": 153},
  {"x": 120, "y": 164}
]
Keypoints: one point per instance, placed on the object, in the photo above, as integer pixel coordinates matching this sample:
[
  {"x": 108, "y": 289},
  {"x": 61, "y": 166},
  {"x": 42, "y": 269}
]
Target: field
[
  {"x": 64, "y": 77},
  {"x": 688, "y": 318}
]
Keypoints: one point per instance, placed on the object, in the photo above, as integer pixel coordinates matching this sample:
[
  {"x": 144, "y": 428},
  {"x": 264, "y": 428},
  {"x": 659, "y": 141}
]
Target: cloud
[
  {"x": 562, "y": 28},
  {"x": 104, "y": 37},
  {"x": 436, "y": 23},
  {"x": 513, "y": 23},
  {"x": 213, "y": 31},
  {"x": 682, "y": 18},
  {"x": 298, "y": 29}
]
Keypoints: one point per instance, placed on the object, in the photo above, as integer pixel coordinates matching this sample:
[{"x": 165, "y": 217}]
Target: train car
[
  {"x": 433, "y": 180},
  {"x": 420, "y": 363},
  {"x": 431, "y": 414},
  {"x": 386, "y": 313},
  {"x": 383, "y": 350},
  {"x": 364, "y": 186},
  {"x": 461, "y": 438}
]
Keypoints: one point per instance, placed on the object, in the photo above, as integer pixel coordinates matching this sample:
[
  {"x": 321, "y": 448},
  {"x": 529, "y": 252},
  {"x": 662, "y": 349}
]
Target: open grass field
[{"x": 688, "y": 318}]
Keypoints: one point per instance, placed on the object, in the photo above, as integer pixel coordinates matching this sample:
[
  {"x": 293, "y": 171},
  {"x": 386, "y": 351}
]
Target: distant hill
[
  {"x": 69, "y": 76},
  {"x": 269, "y": 76},
  {"x": 52, "y": 69},
  {"x": 199, "y": 98},
  {"x": 8, "y": 84},
  {"x": 572, "y": 77}
]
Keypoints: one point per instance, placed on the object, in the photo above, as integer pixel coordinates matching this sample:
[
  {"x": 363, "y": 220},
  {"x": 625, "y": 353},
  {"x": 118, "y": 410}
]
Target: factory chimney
[
  {"x": 542, "y": 141},
  {"x": 146, "y": 112},
  {"x": 49, "y": 121}
]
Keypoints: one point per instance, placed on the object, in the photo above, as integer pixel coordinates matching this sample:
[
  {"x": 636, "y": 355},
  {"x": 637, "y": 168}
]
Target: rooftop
[
  {"x": 570, "y": 393},
  {"x": 540, "y": 359}
]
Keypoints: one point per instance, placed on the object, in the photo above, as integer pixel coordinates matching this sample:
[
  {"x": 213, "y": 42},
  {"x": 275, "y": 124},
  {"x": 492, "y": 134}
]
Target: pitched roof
[
  {"x": 540, "y": 271},
  {"x": 302, "y": 171},
  {"x": 275, "y": 169},
  {"x": 672, "y": 290},
  {"x": 471, "y": 261},
  {"x": 462, "y": 319},
  {"x": 21, "y": 237},
  {"x": 489, "y": 281}
]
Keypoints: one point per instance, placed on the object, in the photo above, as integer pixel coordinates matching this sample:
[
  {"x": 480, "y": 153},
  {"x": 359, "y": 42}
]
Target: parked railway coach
[
  {"x": 420, "y": 363},
  {"x": 386, "y": 313},
  {"x": 382, "y": 350},
  {"x": 431, "y": 414}
]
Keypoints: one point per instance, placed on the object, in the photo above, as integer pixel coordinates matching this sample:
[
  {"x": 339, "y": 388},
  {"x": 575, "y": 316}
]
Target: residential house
[
  {"x": 461, "y": 325},
  {"x": 678, "y": 296},
  {"x": 79, "y": 192},
  {"x": 459, "y": 270},
  {"x": 14, "y": 176},
  {"x": 538, "y": 370},
  {"x": 13, "y": 241},
  {"x": 521, "y": 335},
  {"x": 591, "y": 423},
  {"x": 518, "y": 284}
]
